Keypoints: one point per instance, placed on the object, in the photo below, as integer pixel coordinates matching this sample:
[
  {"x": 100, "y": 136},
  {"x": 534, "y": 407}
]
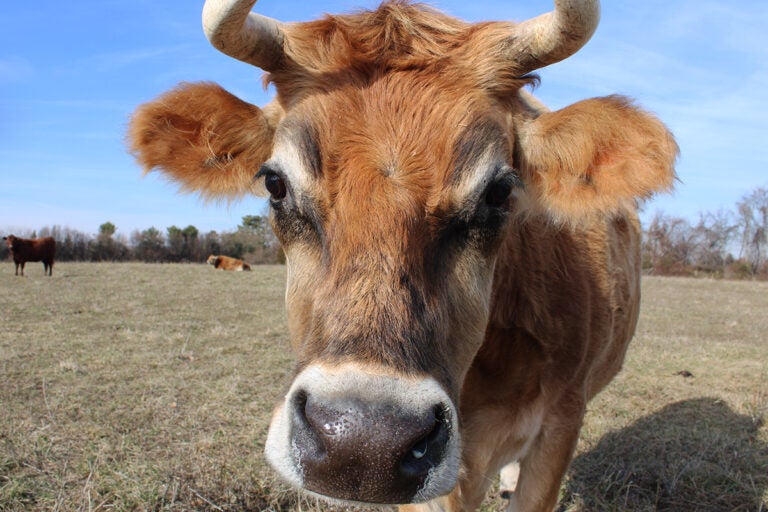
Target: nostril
[
  {"x": 300, "y": 402},
  {"x": 306, "y": 442},
  {"x": 299, "y": 405},
  {"x": 419, "y": 450},
  {"x": 428, "y": 451}
]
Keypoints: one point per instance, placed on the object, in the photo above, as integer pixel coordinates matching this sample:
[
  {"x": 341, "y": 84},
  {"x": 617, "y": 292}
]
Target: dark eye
[
  {"x": 497, "y": 195},
  {"x": 275, "y": 185}
]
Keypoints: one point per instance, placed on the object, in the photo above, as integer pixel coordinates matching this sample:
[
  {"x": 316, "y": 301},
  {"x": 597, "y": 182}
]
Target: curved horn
[
  {"x": 234, "y": 30},
  {"x": 554, "y": 36}
]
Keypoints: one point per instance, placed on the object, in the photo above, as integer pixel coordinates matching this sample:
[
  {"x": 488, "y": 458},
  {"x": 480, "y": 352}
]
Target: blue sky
[{"x": 71, "y": 73}]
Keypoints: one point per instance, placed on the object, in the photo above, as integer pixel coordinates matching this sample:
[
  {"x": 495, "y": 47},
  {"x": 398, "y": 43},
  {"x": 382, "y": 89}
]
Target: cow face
[
  {"x": 10, "y": 241},
  {"x": 390, "y": 231},
  {"x": 390, "y": 243},
  {"x": 396, "y": 157}
]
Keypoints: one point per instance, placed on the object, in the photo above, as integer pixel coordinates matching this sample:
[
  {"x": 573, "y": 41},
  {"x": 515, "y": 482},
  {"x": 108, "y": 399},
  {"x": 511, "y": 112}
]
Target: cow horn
[
  {"x": 234, "y": 30},
  {"x": 556, "y": 35}
]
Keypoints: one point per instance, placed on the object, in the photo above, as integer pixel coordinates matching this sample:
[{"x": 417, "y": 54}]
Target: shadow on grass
[{"x": 695, "y": 455}]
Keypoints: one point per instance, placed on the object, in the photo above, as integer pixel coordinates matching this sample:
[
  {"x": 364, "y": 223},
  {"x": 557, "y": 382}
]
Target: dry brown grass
[
  {"x": 150, "y": 387},
  {"x": 683, "y": 426}
]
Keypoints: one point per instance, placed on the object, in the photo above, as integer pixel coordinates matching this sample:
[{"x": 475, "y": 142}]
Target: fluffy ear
[
  {"x": 204, "y": 138},
  {"x": 595, "y": 156}
]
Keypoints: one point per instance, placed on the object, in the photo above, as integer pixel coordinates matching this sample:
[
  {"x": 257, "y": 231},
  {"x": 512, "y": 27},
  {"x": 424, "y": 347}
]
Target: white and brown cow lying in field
[
  {"x": 463, "y": 264},
  {"x": 227, "y": 263}
]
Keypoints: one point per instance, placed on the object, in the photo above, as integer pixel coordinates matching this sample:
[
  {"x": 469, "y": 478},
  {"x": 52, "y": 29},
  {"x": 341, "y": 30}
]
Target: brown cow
[
  {"x": 463, "y": 264},
  {"x": 228, "y": 263},
  {"x": 35, "y": 249}
]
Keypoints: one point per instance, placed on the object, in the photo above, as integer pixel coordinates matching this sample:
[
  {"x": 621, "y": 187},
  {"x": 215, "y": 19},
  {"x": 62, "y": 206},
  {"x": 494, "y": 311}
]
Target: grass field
[{"x": 150, "y": 387}]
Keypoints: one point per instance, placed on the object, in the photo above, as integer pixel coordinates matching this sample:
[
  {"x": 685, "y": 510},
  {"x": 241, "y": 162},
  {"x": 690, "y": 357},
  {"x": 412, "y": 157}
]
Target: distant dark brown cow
[
  {"x": 228, "y": 263},
  {"x": 35, "y": 249},
  {"x": 463, "y": 264}
]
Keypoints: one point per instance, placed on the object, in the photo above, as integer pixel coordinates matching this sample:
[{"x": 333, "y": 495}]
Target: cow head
[
  {"x": 396, "y": 155},
  {"x": 10, "y": 241}
]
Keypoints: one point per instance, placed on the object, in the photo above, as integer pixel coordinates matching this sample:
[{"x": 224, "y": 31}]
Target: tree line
[
  {"x": 727, "y": 243},
  {"x": 732, "y": 244},
  {"x": 252, "y": 241}
]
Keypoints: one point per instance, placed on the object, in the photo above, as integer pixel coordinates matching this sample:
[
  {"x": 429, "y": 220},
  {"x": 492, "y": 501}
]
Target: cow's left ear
[
  {"x": 594, "y": 157},
  {"x": 204, "y": 138}
]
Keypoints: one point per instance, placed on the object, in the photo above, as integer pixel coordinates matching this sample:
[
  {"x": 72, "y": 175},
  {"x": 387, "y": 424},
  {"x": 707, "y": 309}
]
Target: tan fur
[
  {"x": 227, "y": 263},
  {"x": 596, "y": 156},
  {"x": 389, "y": 125},
  {"x": 204, "y": 138}
]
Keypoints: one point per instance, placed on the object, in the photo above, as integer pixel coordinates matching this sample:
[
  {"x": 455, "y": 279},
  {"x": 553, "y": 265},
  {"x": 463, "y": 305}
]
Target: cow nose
[{"x": 367, "y": 452}]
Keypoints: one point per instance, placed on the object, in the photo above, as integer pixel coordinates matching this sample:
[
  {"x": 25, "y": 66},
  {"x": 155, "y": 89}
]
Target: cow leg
[
  {"x": 22, "y": 268},
  {"x": 543, "y": 467},
  {"x": 474, "y": 485}
]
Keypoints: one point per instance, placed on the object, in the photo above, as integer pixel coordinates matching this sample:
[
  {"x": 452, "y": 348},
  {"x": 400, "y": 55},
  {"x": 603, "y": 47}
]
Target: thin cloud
[
  {"x": 118, "y": 60},
  {"x": 15, "y": 70}
]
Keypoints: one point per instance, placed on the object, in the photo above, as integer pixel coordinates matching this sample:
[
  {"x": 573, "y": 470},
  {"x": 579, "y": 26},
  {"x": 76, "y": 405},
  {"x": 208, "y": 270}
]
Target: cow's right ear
[{"x": 204, "y": 138}]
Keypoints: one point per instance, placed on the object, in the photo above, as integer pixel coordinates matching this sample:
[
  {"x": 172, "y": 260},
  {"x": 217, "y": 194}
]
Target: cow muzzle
[{"x": 372, "y": 438}]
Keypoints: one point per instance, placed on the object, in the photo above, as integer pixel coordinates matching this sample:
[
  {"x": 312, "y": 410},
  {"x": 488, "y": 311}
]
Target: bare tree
[
  {"x": 668, "y": 245},
  {"x": 713, "y": 236},
  {"x": 753, "y": 222}
]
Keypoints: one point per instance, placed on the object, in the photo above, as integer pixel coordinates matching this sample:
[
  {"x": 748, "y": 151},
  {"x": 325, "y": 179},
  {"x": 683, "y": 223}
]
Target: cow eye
[
  {"x": 275, "y": 185},
  {"x": 497, "y": 195}
]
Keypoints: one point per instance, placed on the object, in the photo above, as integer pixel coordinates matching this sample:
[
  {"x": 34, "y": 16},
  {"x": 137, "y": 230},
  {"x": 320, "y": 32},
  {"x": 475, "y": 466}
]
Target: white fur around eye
[
  {"x": 286, "y": 157},
  {"x": 475, "y": 181}
]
